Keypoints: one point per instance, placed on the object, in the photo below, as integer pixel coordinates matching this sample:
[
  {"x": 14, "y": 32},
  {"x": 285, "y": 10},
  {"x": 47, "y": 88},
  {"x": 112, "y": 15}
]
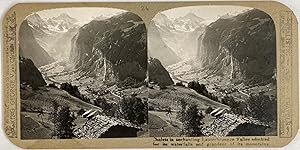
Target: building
[
  {"x": 100, "y": 126},
  {"x": 227, "y": 124}
]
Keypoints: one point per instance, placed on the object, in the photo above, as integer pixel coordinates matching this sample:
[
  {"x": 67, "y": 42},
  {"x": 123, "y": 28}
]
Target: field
[
  {"x": 36, "y": 125},
  {"x": 171, "y": 96},
  {"x": 163, "y": 124}
]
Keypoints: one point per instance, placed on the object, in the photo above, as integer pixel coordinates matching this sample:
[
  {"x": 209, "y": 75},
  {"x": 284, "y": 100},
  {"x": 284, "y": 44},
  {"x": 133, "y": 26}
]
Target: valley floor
[{"x": 37, "y": 104}]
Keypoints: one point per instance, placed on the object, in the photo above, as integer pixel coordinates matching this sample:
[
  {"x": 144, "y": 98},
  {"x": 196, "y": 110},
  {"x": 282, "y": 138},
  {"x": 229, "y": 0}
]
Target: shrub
[
  {"x": 81, "y": 112},
  {"x": 179, "y": 84},
  {"x": 237, "y": 107},
  {"x": 263, "y": 107},
  {"x": 104, "y": 105},
  {"x": 162, "y": 87},
  {"x": 129, "y": 81},
  {"x": 52, "y": 85},
  {"x": 134, "y": 109},
  {"x": 151, "y": 107},
  {"x": 208, "y": 110},
  {"x": 199, "y": 88},
  {"x": 73, "y": 90}
]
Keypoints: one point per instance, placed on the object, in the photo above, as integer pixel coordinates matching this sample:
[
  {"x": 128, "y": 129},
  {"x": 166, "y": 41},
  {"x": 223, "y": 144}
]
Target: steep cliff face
[
  {"x": 242, "y": 47},
  {"x": 29, "y": 74},
  {"x": 179, "y": 34},
  {"x": 54, "y": 34},
  {"x": 158, "y": 49},
  {"x": 157, "y": 73},
  {"x": 29, "y": 47},
  {"x": 116, "y": 45}
]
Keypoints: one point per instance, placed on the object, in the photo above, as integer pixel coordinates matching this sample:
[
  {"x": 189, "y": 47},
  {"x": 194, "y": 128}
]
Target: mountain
[
  {"x": 158, "y": 49},
  {"x": 29, "y": 74},
  {"x": 157, "y": 73},
  {"x": 242, "y": 48},
  {"x": 66, "y": 18},
  {"x": 29, "y": 47},
  {"x": 54, "y": 35},
  {"x": 115, "y": 48},
  {"x": 180, "y": 34},
  {"x": 189, "y": 22},
  {"x": 61, "y": 23},
  {"x": 101, "y": 17},
  {"x": 36, "y": 20}
]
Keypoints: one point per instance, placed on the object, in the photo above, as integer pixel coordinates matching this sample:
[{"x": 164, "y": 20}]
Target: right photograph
[{"x": 212, "y": 72}]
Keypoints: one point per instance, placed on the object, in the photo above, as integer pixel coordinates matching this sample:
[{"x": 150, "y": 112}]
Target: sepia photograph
[
  {"x": 83, "y": 74},
  {"x": 212, "y": 72},
  {"x": 197, "y": 74}
]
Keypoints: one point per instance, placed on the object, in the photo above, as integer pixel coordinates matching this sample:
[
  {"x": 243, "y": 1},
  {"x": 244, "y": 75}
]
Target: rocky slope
[
  {"x": 29, "y": 74},
  {"x": 157, "y": 73},
  {"x": 29, "y": 47},
  {"x": 115, "y": 48},
  {"x": 242, "y": 48}
]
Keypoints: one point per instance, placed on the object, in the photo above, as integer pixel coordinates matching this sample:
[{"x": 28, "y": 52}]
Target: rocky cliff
[
  {"x": 157, "y": 73},
  {"x": 117, "y": 46},
  {"x": 158, "y": 49},
  {"x": 29, "y": 47},
  {"x": 54, "y": 34},
  {"x": 29, "y": 74},
  {"x": 242, "y": 47},
  {"x": 179, "y": 34}
]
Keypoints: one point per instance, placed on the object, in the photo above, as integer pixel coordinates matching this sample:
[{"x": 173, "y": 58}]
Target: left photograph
[{"x": 83, "y": 74}]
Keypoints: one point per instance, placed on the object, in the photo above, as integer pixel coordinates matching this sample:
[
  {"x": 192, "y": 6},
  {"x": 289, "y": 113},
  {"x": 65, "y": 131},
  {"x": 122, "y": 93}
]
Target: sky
[
  {"x": 205, "y": 12},
  {"x": 81, "y": 14},
  {"x": 85, "y": 15}
]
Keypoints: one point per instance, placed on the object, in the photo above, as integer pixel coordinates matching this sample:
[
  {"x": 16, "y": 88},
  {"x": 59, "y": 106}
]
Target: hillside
[
  {"x": 157, "y": 73},
  {"x": 29, "y": 74}
]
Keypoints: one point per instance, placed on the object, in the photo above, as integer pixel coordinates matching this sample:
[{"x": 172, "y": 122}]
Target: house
[
  {"x": 101, "y": 126},
  {"x": 218, "y": 112},
  {"x": 228, "y": 124},
  {"x": 91, "y": 113}
]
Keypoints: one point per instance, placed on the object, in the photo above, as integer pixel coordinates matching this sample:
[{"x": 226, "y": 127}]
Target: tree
[
  {"x": 74, "y": 91},
  {"x": 237, "y": 107},
  {"x": 102, "y": 103},
  {"x": 208, "y": 110},
  {"x": 162, "y": 87},
  {"x": 182, "y": 110},
  {"x": 81, "y": 112},
  {"x": 192, "y": 121},
  {"x": 263, "y": 107},
  {"x": 134, "y": 109},
  {"x": 199, "y": 88},
  {"x": 179, "y": 84},
  {"x": 52, "y": 85},
  {"x": 64, "y": 125},
  {"x": 53, "y": 116}
]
